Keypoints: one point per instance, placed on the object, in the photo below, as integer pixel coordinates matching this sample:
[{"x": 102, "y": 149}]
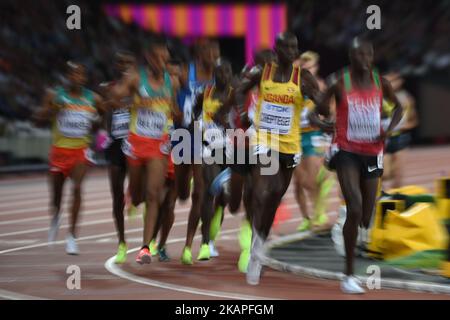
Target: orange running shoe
[{"x": 144, "y": 256}]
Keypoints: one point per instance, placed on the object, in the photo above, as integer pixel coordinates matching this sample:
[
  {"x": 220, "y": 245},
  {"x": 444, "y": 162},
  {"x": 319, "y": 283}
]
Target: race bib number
[
  {"x": 304, "y": 120},
  {"x": 380, "y": 160},
  {"x": 214, "y": 136},
  {"x": 120, "y": 124},
  {"x": 364, "y": 120},
  {"x": 187, "y": 111},
  {"x": 150, "y": 123},
  {"x": 127, "y": 149},
  {"x": 320, "y": 141},
  {"x": 276, "y": 117},
  {"x": 74, "y": 124},
  {"x": 260, "y": 149},
  {"x": 165, "y": 147}
]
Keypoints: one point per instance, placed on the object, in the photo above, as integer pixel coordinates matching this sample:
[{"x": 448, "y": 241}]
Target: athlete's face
[
  {"x": 77, "y": 75},
  {"x": 223, "y": 74},
  {"x": 174, "y": 69},
  {"x": 123, "y": 64},
  {"x": 287, "y": 49},
  {"x": 361, "y": 57},
  {"x": 215, "y": 50},
  {"x": 158, "y": 57},
  {"x": 207, "y": 53}
]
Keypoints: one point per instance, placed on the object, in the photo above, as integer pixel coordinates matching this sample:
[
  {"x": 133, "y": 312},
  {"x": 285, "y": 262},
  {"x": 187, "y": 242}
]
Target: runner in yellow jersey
[
  {"x": 72, "y": 110},
  {"x": 401, "y": 137},
  {"x": 277, "y": 125},
  {"x": 310, "y": 177},
  {"x": 214, "y": 142}
]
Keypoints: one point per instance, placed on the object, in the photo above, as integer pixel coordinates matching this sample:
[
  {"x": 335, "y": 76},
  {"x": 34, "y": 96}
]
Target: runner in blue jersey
[{"x": 195, "y": 76}]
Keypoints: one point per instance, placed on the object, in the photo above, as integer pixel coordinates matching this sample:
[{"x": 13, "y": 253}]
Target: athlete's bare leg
[
  {"x": 77, "y": 175},
  {"x": 156, "y": 171}
]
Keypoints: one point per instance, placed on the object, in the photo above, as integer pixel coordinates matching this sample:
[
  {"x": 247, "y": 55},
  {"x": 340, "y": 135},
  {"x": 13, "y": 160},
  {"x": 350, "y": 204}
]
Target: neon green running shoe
[
  {"x": 121, "y": 255},
  {"x": 153, "y": 247},
  {"x": 204, "y": 253},
  {"x": 132, "y": 211},
  {"x": 216, "y": 223},
  {"x": 320, "y": 220},
  {"x": 245, "y": 235},
  {"x": 186, "y": 257},
  {"x": 304, "y": 225},
  {"x": 244, "y": 258}
]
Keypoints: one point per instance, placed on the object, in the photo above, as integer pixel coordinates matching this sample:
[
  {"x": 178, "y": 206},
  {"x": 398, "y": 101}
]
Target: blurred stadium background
[{"x": 35, "y": 43}]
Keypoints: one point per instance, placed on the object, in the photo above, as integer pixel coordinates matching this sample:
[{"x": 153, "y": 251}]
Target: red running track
[{"x": 31, "y": 269}]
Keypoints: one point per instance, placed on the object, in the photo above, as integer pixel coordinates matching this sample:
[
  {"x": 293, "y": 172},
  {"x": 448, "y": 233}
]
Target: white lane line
[
  {"x": 8, "y": 189},
  {"x": 45, "y": 208},
  {"x": 43, "y": 198},
  {"x": 107, "y": 210},
  {"x": 9, "y": 295},
  {"x": 411, "y": 180},
  {"x": 99, "y": 236},
  {"x": 114, "y": 269}
]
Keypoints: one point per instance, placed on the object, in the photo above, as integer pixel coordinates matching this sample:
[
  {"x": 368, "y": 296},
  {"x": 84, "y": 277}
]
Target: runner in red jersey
[{"x": 357, "y": 150}]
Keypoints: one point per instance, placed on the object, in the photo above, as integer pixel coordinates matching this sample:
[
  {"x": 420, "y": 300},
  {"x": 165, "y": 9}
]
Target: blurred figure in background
[
  {"x": 117, "y": 124},
  {"x": 400, "y": 140},
  {"x": 195, "y": 76},
  {"x": 73, "y": 111},
  {"x": 311, "y": 177}
]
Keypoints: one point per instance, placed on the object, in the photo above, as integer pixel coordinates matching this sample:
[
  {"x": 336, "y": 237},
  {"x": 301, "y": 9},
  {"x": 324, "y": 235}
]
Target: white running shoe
[
  {"x": 54, "y": 226},
  {"x": 212, "y": 250},
  {"x": 71, "y": 245},
  {"x": 254, "y": 265},
  {"x": 352, "y": 285}
]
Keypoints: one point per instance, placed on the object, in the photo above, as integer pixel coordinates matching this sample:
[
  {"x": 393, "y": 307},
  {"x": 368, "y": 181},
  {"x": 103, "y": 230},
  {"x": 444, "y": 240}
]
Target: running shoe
[
  {"x": 320, "y": 220},
  {"x": 153, "y": 247},
  {"x": 71, "y": 245},
  {"x": 245, "y": 241},
  {"x": 204, "y": 253},
  {"x": 144, "y": 256},
  {"x": 304, "y": 225},
  {"x": 216, "y": 223},
  {"x": 54, "y": 226},
  {"x": 186, "y": 257},
  {"x": 254, "y": 265},
  {"x": 244, "y": 259},
  {"x": 217, "y": 186},
  {"x": 213, "y": 250},
  {"x": 121, "y": 255},
  {"x": 132, "y": 211},
  {"x": 351, "y": 285},
  {"x": 163, "y": 257}
]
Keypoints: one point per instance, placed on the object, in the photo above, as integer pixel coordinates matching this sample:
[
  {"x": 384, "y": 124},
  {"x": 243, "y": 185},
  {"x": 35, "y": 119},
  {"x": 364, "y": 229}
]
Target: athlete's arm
[
  {"x": 397, "y": 112},
  {"x": 309, "y": 86},
  {"x": 412, "y": 121},
  {"x": 177, "y": 116},
  {"x": 100, "y": 104},
  {"x": 253, "y": 79},
  {"x": 126, "y": 86},
  {"x": 322, "y": 104},
  {"x": 198, "y": 107},
  {"x": 49, "y": 109}
]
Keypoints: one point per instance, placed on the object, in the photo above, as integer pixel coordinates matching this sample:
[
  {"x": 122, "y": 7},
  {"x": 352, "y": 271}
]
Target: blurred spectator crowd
[
  {"x": 35, "y": 43},
  {"x": 414, "y": 35}
]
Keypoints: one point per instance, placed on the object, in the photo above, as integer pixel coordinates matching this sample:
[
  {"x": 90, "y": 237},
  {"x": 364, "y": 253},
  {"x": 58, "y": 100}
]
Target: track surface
[{"x": 31, "y": 269}]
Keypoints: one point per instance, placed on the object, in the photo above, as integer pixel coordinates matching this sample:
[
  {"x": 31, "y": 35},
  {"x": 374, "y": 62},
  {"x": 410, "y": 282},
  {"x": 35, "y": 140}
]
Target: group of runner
[{"x": 196, "y": 130}]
